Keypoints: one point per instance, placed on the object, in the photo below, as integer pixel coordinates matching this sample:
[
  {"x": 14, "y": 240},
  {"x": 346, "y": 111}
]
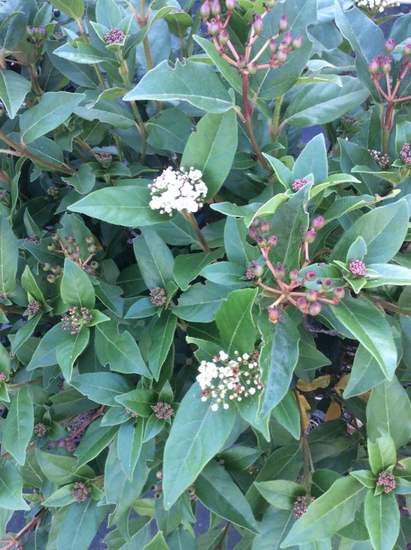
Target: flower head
[
  {"x": 75, "y": 318},
  {"x": 299, "y": 184},
  {"x": 40, "y": 429},
  {"x": 381, "y": 159},
  {"x": 114, "y": 36},
  {"x": 254, "y": 270},
  {"x": 158, "y": 296},
  {"x": 301, "y": 506},
  {"x": 32, "y": 309},
  {"x": 80, "y": 491},
  {"x": 163, "y": 410},
  {"x": 357, "y": 268},
  {"x": 387, "y": 481},
  {"x": 178, "y": 190},
  {"x": 226, "y": 379},
  {"x": 405, "y": 153}
]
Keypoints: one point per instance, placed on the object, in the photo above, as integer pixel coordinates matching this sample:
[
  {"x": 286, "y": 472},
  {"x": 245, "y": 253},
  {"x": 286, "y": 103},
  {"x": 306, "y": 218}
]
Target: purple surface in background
[{"x": 202, "y": 516}]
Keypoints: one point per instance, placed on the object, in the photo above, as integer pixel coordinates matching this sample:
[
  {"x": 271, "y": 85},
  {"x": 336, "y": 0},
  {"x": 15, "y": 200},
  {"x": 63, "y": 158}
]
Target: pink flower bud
[
  {"x": 310, "y": 275},
  {"x": 318, "y": 222},
  {"x": 390, "y": 45},
  {"x": 339, "y": 293},
  {"x": 297, "y": 42},
  {"x": 205, "y": 10},
  {"x": 357, "y": 268},
  {"x": 386, "y": 64},
  {"x": 274, "y": 314},
  {"x": 311, "y": 295},
  {"x": 327, "y": 283},
  {"x": 279, "y": 271},
  {"x": 314, "y": 308},
  {"x": 213, "y": 27},
  {"x": 302, "y": 304},
  {"x": 309, "y": 236},
  {"x": 230, "y": 4},
  {"x": 294, "y": 274},
  {"x": 287, "y": 39},
  {"x": 283, "y": 23},
  {"x": 215, "y": 7},
  {"x": 273, "y": 45},
  {"x": 258, "y": 25},
  {"x": 272, "y": 240},
  {"x": 282, "y": 56},
  {"x": 374, "y": 66}
]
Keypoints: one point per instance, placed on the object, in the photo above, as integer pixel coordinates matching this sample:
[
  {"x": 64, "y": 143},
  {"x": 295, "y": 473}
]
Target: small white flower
[
  {"x": 223, "y": 356},
  {"x": 214, "y": 407},
  {"x": 178, "y": 190},
  {"x": 376, "y": 5}
]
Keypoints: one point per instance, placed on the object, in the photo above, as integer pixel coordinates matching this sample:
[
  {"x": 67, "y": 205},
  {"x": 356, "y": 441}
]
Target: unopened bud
[
  {"x": 294, "y": 275},
  {"x": 287, "y": 39},
  {"x": 297, "y": 42},
  {"x": 205, "y": 10},
  {"x": 339, "y": 293},
  {"x": 390, "y": 45},
  {"x": 230, "y": 4},
  {"x": 272, "y": 240},
  {"x": 386, "y": 65},
  {"x": 318, "y": 222},
  {"x": 215, "y": 7},
  {"x": 309, "y": 236},
  {"x": 314, "y": 308},
  {"x": 282, "y": 56},
  {"x": 258, "y": 24},
  {"x": 302, "y": 304},
  {"x": 213, "y": 27},
  {"x": 274, "y": 314},
  {"x": 312, "y": 295},
  {"x": 310, "y": 275},
  {"x": 265, "y": 227},
  {"x": 283, "y": 23},
  {"x": 279, "y": 271},
  {"x": 273, "y": 45},
  {"x": 373, "y": 66},
  {"x": 327, "y": 283}
]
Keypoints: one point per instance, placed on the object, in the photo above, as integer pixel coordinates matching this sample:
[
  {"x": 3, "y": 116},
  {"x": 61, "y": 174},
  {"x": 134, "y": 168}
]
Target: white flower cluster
[
  {"x": 178, "y": 190},
  {"x": 224, "y": 379},
  {"x": 376, "y": 5}
]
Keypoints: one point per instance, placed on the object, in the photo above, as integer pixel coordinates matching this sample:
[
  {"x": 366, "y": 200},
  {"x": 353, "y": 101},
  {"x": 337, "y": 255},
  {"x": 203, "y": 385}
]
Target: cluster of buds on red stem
[
  {"x": 291, "y": 287},
  {"x": 388, "y": 88},
  {"x": 280, "y": 45}
]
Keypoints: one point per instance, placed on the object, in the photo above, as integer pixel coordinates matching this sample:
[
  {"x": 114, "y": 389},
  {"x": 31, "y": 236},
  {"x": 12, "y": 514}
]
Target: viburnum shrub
[{"x": 205, "y": 308}]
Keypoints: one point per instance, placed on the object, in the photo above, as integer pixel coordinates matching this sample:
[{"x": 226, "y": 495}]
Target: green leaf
[
  {"x": 382, "y": 519},
  {"x": 328, "y": 514},
  {"x": 129, "y": 444},
  {"x": 383, "y": 230},
  {"x": 68, "y": 351},
  {"x": 101, "y": 387},
  {"x": 138, "y": 401},
  {"x": 368, "y": 324},
  {"x": 9, "y": 255},
  {"x": 321, "y": 103},
  {"x": 365, "y": 374},
  {"x": 313, "y": 160},
  {"x": 72, "y": 8},
  {"x": 235, "y": 322},
  {"x": 279, "y": 493},
  {"x": 122, "y": 205},
  {"x": 13, "y": 91},
  {"x": 53, "y": 109},
  {"x": 388, "y": 403},
  {"x": 119, "y": 351},
  {"x": 387, "y": 274},
  {"x": 211, "y": 148},
  {"x": 61, "y": 469},
  {"x": 79, "y": 525},
  {"x": 218, "y": 492},
  {"x": 157, "y": 543},
  {"x": 45, "y": 353},
  {"x": 278, "y": 359},
  {"x": 154, "y": 259},
  {"x": 273, "y": 528},
  {"x": 287, "y": 413},
  {"x": 188, "y": 266},
  {"x": 169, "y": 130},
  {"x": 195, "y": 83},
  {"x": 93, "y": 442},
  {"x": 18, "y": 426},
  {"x": 365, "y": 477},
  {"x": 76, "y": 288},
  {"x": 381, "y": 453},
  {"x": 201, "y": 302},
  {"x": 84, "y": 180},
  {"x": 197, "y": 435},
  {"x": 162, "y": 337},
  {"x": 11, "y": 488}
]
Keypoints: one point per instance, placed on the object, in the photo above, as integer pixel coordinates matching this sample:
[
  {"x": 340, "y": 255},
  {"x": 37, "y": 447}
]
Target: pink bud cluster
[
  {"x": 280, "y": 45},
  {"x": 289, "y": 286},
  {"x": 114, "y": 36},
  {"x": 163, "y": 410},
  {"x": 405, "y": 153},
  {"x": 299, "y": 184},
  {"x": 358, "y": 268},
  {"x": 386, "y": 480},
  {"x": 380, "y": 158},
  {"x": 76, "y": 318},
  {"x": 301, "y": 505}
]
